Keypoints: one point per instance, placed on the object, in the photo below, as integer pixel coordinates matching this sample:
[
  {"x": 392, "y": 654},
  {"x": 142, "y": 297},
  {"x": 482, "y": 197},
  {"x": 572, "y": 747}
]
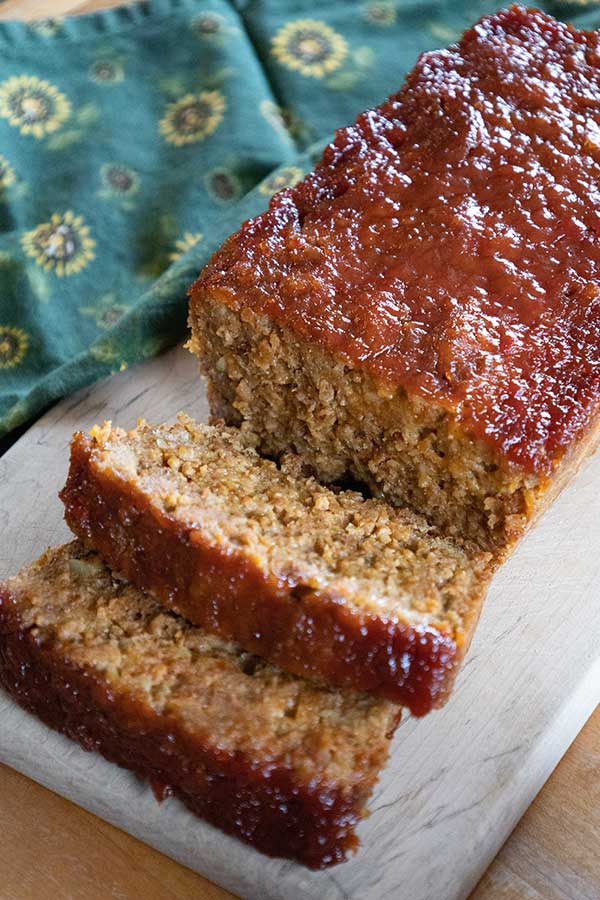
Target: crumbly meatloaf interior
[
  {"x": 287, "y": 394},
  {"x": 378, "y": 559},
  {"x": 245, "y": 723},
  {"x": 217, "y": 692}
]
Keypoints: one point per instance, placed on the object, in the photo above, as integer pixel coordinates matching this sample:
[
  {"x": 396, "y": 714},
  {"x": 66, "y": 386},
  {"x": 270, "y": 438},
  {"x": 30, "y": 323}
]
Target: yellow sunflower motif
[
  {"x": 193, "y": 117},
  {"x": 62, "y": 244},
  {"x": 7, "y": 173},
  {"x": 118, "y": 180},
  {"x": 286, "y": 177},
  {"x": 106, "y": 311},
  {"x": 106, "y": 352},
  {"x": 222, "y": 185},
  {"x": 189, "y": 240},
  {"x": 208, "y": 24},
  {"x": 32, "y": 105},
  {"x": 107, "y": 71},
  {"x": 381, "y": 12},
  {"x": 13, "y": 346},
  {"x": 310, "y": 47}
]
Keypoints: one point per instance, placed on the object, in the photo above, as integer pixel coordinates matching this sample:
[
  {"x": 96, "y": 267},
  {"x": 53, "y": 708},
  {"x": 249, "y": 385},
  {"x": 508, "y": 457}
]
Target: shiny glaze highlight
[{"x": 449, "y": 241}]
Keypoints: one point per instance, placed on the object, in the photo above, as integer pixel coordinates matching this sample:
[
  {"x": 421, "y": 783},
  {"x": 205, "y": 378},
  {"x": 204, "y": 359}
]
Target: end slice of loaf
[
  {"x": 282, "y": 763},
  {"x": 328, "y": 585}
]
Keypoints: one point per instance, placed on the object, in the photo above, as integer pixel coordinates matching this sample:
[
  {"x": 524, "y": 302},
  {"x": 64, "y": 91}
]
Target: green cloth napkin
[{"x": 133, "y": 141}]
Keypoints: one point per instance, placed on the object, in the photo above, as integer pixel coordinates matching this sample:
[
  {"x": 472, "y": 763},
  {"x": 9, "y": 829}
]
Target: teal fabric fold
[{"x": 134, "y": 140}]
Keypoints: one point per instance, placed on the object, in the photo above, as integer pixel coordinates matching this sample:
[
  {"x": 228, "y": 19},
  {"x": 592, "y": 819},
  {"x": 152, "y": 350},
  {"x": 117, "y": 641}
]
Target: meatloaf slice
[
  {"x": 323, "y": 583},
  {"x": 283, "y": 763},
  {"x": 423, "y": 310}
]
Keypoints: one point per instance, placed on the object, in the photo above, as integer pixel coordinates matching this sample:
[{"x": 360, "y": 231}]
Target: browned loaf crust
[
  {"x": 282, "y": 763},
  {"x": 324, "y": 584},
  {"x": 371, "y": 325}
]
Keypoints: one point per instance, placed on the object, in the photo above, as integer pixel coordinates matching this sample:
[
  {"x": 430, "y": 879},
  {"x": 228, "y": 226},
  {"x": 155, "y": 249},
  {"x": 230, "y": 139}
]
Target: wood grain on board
[
  {"x": 457, "y": 781},
  {"x": 50, "y": 846}
]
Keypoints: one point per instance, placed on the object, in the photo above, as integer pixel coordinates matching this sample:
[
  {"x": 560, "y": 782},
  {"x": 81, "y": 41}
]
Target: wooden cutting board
[{"x": 457, "y": 781}]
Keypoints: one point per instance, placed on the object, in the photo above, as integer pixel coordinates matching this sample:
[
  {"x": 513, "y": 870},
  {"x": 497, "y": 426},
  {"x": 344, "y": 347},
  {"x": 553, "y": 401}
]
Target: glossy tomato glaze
[{"x": 449, "y": 241}]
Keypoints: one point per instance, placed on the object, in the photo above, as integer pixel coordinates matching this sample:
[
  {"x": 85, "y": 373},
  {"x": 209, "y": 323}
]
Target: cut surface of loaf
[
  {"x": 325, "y": 584},
  {"x": 422, "y": 310},
  {"x": 283, "y": 763}
]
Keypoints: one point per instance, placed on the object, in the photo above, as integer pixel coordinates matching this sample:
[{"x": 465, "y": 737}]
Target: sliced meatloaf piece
[
  {"x": 283, "y": 763},
  {"x": 323, "y": 583}
]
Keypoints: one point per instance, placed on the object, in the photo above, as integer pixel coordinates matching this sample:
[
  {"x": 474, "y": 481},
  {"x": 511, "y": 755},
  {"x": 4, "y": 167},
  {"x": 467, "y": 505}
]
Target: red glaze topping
[{"x": 449, "y": 241}]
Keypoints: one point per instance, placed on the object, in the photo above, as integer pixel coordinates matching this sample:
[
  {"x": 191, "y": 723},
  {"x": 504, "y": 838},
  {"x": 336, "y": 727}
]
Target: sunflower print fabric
[
  {"x": 118, "y": 180},
  {"x": 193, "y": 117},
  {"x": 33, "y": 105},
  {"x": 13, "y": 346},
  {"x": 7, "y": 173},
  {"x": 62, "y": 245},
  {"x": 106, "y": 71},
  {"x": 135, "y": 140},
  {"x": 309, "y": 46},
  {"x": 285, "y": 176}
]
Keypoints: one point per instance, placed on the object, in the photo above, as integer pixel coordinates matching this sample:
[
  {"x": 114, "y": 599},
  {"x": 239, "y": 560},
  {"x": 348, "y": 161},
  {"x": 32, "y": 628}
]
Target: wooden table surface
[{"x": 50, "y": 847}]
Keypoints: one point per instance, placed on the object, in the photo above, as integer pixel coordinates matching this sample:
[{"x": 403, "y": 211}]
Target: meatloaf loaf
[
  {"x": 282, "y": 763},
  {"x": 423, "y": 310},
  {"x": 324, "y": 583}
]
